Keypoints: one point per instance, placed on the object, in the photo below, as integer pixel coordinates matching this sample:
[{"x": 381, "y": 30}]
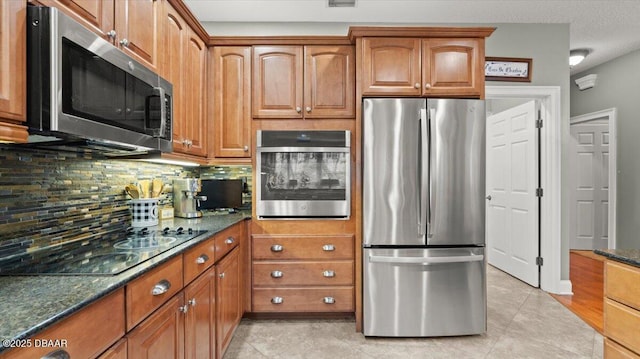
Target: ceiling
[{"x": 609, "y": 28}]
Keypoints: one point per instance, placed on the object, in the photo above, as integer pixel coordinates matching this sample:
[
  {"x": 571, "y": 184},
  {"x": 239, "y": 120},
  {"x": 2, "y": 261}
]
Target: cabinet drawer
[
  {"x": 273, "y": 274},
  {"x": 327, "y": 299},
  {"x": 227, "y": 240},
  {"x": 302, "y": 247},
  {"x": 622, "y": 324},
  {"x": 621, "y": 283},
  {"x": 198, "y": 259},
  {"x": 149, "y": 292},
  {"x": 613, "y": 350},
  {"x": 86, "y": 333}
]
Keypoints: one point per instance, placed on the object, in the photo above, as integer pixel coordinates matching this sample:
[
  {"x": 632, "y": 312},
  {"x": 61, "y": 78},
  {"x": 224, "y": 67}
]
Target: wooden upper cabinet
[
  {"x": 231, "y": 105},
  {"x": 172, "y": 68},
  {"x": 97, "y": 14},
  {"x": 137, "y": 29},
  {"x": 13, "y": 72},
  {"x": 277, "y": 75},
  {"x": 329, "y": 76},
  {"x": 391, "y": 66},
  {"x": 195, "y": 66},
  {"x": 453, "y": 67},
  {"x": 320, "y": 85},
  {"x": 447, "y": 67}
]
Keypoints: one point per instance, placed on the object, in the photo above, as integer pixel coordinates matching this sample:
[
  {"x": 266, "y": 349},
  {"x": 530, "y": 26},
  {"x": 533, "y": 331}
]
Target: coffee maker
[{"x": 186, "y": 199}]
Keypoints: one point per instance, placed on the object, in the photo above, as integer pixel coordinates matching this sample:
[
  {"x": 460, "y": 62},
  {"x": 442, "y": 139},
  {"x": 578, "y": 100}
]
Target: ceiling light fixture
[
  {"x": 342, "y": 3},
  {"x": 576, "y": 56}
]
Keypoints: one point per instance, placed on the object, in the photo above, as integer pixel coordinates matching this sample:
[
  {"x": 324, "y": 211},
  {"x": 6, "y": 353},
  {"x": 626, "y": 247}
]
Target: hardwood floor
[{"x": 586, "y": 271}]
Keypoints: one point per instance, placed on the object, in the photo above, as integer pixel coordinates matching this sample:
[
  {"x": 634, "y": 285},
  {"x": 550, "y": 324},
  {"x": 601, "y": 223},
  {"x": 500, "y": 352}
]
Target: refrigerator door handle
[
  {"x": 432, "y": 205},
  {"x": 426, "y": 260},
  {"x": 423, "y": 181}
]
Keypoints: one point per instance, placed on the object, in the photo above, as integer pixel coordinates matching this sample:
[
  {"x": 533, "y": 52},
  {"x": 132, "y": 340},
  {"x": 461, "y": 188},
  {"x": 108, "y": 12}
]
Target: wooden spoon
[
  {"x": 156, "y": 187},
  {"x": 144, "y": 188},
  {"x": 132, "y": 191}
]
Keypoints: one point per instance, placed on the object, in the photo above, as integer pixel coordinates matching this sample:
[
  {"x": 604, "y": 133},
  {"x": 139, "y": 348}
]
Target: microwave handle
[{"x": 163, "y": 111}]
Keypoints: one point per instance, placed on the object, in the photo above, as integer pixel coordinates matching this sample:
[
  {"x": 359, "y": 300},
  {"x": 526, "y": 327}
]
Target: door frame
[
  {"x": 550, "y": 176},
  {"x": 611, "y": 115}
]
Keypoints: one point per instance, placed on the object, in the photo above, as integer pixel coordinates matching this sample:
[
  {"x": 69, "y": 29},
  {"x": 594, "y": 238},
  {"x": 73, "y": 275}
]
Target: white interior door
[
  {"x": 589, "y": 170},
  {"x": 512, "y": 180}
]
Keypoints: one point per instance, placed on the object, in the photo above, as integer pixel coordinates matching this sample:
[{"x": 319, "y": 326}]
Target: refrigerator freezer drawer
[{"x": 424, "y": 292}]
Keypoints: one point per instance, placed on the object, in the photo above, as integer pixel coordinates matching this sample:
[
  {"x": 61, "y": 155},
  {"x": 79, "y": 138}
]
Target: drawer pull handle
[
  {"x": 57, "y": 354},
  {"x": 329, "y": 300},
  {"x": 277, "y": 300},
  {"x": 229, "y": 240},
  {"x": 184, "y": 309},
  {"x": 202, "y": 259},
  {"x": 277, "y": 248},
  {"x": 221, "y": 275},
  {"x": 161, "y": 288},
  {"x": 192, "y": 302},
  {"x": 328, "y": 248},
  {"x": 276, "y": 274},
  {"x": 328, "y": 274}
]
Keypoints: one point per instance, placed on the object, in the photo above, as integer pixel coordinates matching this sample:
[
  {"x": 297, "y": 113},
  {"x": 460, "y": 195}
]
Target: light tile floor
[{"x": 523, "y": 322}]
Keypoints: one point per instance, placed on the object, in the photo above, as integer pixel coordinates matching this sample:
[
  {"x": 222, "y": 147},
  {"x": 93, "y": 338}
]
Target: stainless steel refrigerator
[{"x": 423, "y": 217}]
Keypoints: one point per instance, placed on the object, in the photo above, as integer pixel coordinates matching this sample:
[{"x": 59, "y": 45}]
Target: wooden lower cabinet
[
  {"x": 229, "y": 306},
  {"x": 200, "y": 325},
  {"x": 117, "y": 351},
  {"x": 621, "y": 310}
]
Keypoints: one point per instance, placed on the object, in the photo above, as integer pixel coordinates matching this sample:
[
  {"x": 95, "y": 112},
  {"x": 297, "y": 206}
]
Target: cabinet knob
[
  {"x": 202, "y": 259},
  {"x": 229, "y": 240},
  {"x": 417, "y": 85},
  {"x": 328, "y": 300},
  {"x": 277, "y": 300},
  {"x": 329, "y": 274},
  {"x": 57, "y": 354},
  {"x": 192, "y": 302},
  {"x": 328, "y": 248},
  {"x": 124, "y": 42},
  {"x": 112, "y": 34},
  {"x": 184, "y": 309},
  {"x": 308, "y": 109},
  {"x": 161, "y": 287},
  {"x": 298, "y": 109},
  {"x": 276, "y": 274},
  {"x": 277, "y": 248},
  {"x": 245, "y": 148},
  {"x": 427, "y": 86},
  {"x": 221, "y": 275}
]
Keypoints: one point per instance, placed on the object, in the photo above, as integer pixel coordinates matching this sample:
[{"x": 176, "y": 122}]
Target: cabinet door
[
  {"x": 172, "y": 69},
  {"x": 391, "y": 66},
  {"x": 453, "y": 67},
  {"x": 13, "y": 40},
  {"x": 138, "y": 30},
  {"x": 161, "y": 335},
  {"x": 117, "y": 351},
  {"x": 96, "y": 14},
  {"x": 329, "y": 90},
  {"x": 277, "y": 76},
  {"x": 200, "y": 321},
  {"x": 232, "y": 101},
  {"x": 228, "y": 306},
  {"x": 194, "y": 94}
]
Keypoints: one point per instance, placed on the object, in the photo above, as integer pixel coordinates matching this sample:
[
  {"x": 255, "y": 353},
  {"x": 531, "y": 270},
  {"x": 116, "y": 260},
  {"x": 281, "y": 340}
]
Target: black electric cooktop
[{"x": 108, "y": 256}]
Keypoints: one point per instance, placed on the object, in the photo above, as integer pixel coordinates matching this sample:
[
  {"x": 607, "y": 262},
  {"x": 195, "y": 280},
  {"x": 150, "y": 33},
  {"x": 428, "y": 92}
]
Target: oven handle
[{"x": 303, "y": 149}]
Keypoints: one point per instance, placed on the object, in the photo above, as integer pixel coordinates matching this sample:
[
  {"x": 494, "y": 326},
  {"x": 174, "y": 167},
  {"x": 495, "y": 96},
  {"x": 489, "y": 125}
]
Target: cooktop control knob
[
  {"x": 180, "y": 230},
  {"x": 190, "y": 230},
  {"x": 144, "y": 231},
  {"x": 165, "y": 230}
]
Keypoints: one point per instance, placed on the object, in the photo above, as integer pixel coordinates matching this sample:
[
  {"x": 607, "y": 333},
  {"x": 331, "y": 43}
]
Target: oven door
[{"x": 303, "y": 182}]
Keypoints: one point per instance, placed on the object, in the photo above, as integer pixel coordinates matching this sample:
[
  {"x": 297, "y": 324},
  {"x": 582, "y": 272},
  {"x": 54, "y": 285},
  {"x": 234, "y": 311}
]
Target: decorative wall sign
[{"x": 507, "y": 69}]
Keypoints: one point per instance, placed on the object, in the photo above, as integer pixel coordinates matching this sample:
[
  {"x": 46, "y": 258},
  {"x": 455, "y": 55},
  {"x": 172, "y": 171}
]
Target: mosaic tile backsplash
[{"x": 47, "y": 198}]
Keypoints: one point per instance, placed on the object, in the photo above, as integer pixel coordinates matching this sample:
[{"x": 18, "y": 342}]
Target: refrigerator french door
[{"x": 423, "y": 217}]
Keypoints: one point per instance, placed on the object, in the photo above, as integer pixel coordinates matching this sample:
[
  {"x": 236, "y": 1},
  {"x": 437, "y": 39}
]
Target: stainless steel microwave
[{"x": 80, "y": 86}]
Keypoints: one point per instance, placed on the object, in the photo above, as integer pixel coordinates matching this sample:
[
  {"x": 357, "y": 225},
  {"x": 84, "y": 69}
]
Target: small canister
[{"x": 144, "y": 212}]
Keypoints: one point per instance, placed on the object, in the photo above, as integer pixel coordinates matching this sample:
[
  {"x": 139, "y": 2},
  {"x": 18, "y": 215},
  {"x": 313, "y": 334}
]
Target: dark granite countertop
[
  {"x": 628, "y": 256},
  {"x": 29, "y": 304}
]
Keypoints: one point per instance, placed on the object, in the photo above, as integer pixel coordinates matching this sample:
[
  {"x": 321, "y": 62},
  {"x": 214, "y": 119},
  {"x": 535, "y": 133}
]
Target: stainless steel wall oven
[{"x": 303, "y": 174}]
